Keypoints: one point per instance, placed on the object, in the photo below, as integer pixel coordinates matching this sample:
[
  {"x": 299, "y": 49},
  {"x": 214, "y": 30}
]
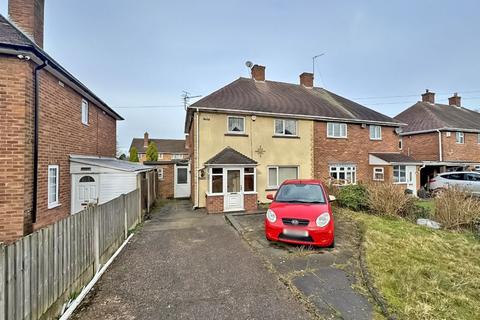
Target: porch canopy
[
  {"x": 392, "y": 158},
  {"x": 230, "y": 156}
]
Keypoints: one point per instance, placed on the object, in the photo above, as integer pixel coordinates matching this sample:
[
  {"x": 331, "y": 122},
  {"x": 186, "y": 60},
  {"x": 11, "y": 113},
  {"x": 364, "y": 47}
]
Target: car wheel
[{"x": 332, "y": 245}]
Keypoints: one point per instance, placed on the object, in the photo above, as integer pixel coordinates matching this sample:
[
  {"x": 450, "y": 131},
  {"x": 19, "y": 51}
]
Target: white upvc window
[
  {"x": 343, "y": 174},
  {"x": 160, "y": 156},
  {"x": 285, "y": 127},
  {"x": 160, "y": 174},
  {"x": 84, "y": 111},
  {"x": 249, "y": 180},
  {"x": 216, "y": 181},
  {"x": 336, "y": 130},
  {"x": 399, "y": 174},
  {"x": 459, "y": 137},
  {"x": 378, "y": 174},
  {"x": 375, "y": 132},
  {"x": 278, "y": 174},
  {"x": 177, "y": 156},
  {"x": 400, "y": 143},
  {"x": 53, "y": 182},
  {"x": 478, "y": 137},
  {"x": 236, "y": 125}
]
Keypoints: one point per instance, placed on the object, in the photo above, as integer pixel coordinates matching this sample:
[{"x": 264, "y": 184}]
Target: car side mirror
[
  {"x": 270, "y": 196},
  {"x": 331, "y": 198}
]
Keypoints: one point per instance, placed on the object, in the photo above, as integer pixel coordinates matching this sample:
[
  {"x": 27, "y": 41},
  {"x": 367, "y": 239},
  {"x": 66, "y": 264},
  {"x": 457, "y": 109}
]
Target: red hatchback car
[{"x": 301, "y": 213}]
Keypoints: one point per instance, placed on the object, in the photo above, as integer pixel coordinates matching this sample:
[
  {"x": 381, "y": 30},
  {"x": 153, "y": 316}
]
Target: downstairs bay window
[{"x": 343, "y": 174}]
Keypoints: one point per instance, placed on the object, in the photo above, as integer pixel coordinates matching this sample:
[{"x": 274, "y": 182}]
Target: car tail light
[{"x": 432, "y": 180}]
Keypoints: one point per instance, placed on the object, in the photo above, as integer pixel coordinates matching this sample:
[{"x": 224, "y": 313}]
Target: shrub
[
  {"x": 456, "y": 208},
  {"x": 385, "y": 199},
  {"x": 353, "y": 197},
  {"x": 133, "y": 155},
  {"x": 152, "y": 152}
]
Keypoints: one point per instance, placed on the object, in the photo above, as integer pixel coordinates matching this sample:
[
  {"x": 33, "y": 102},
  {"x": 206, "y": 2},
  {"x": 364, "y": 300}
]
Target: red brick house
[
  {"x": 442, "y": 136},
  {"x": 173, "y": 165},
  {"x": 265, "y": 131},
  {"x": 46, "y": 115}
]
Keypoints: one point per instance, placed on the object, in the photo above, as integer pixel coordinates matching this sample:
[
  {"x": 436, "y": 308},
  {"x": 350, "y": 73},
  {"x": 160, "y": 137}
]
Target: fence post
[
  {"x": 148, "y": 191},
  {"x": 3, "y": 283},
  {"x": 125, "y": 213},
  {"x": 96, "y": 237}
]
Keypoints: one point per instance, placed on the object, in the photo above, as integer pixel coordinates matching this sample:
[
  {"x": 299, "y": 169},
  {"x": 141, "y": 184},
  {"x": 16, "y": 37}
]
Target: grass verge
[{"x": 422, "y": 273}]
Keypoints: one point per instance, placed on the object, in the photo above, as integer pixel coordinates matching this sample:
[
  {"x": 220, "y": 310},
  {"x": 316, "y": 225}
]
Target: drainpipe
[
  {"x": 35, "y": 137},
  {"x": 440, "y": 145},
  {"x": 197, "y": 170}
]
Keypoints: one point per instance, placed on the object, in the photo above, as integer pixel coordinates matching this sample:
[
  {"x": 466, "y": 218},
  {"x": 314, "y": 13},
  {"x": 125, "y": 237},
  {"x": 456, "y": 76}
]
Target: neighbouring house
[
  {"x": 443, "y": 137},
  {"x": 168, "y": 149},
  {"x": 173, "y": 165},
  {"x": 249, "y": 136},
  {"x": 46, "y": 115}
]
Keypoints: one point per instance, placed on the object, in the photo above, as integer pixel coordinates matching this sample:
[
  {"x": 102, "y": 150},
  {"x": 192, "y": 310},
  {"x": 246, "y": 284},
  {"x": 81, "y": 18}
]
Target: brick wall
[
  {"x": 166, "y": 185},
  {"x": 469, "y": 151},
  {"x": 250, "y": 202},
  {"x": 354, "y": 149},
  {"x": 61, "y": 133},
  {"x": 421, "y": 146},
  {"x": 214, "y": 204}
]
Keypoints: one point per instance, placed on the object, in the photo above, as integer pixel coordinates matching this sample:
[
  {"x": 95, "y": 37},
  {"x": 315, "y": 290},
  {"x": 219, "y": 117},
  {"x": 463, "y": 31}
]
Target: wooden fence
[{"x": 41, "y": 271}]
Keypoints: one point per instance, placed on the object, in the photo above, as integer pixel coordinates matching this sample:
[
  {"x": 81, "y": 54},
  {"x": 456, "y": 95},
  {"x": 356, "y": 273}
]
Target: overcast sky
[{"x": 145, "y": 52}]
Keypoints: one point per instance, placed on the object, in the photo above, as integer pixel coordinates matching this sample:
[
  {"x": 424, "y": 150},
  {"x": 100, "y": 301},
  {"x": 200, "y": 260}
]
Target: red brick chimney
[
  {"x": 455, "y": 100},
  {"x": 258, "y": 72},
  {"x": 28, "y": 17},
  {"x": 428, "y": 97},
  {"x": 306, "y": 79},
  {"x": 145, "y": 139}
]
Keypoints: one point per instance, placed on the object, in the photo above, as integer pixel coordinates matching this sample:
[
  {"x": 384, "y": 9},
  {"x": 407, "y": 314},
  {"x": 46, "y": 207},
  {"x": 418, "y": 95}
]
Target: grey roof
[
  {"x": 424, "y": 116},
  {"x": 230, "y": 156},
  {"x": 248, "y": 95},
  {"x": 396, "y": 157},
  {"x": 163, "y": 145},
  {"x": 12, "y": 38},
  {"x": 112, "y": 163}
]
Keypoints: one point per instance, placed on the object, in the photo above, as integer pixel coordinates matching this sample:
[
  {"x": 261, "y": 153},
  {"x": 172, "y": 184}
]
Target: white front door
[
  {"x": 86, "y": 191},
  {"x": 181, "y": 183},
  {"x": 411, "y": 172},
  {"x": 233, "y": 199}
]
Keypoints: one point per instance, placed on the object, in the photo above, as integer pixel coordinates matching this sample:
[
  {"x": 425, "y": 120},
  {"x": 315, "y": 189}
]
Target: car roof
[
  {"x": 457, "y": 172},
  {"x": 303, "y": 181}
]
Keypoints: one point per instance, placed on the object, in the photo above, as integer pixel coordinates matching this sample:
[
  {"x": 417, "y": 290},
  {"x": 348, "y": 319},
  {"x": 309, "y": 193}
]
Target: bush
[
  {"x": 133, "y": 155},
  {"x": 353, "y": 197},
  {"x": 456, "y": 208},
  {"x": 385, "y": 199}
]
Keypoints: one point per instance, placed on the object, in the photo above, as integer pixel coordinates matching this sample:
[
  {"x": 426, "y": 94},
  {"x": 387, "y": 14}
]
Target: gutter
[{"x": 35, "y": 137}]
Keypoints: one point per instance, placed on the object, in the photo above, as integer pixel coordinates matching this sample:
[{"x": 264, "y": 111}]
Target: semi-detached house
[
  {"x": 249, "y": 136},
  {"x": 49, "y": 121}
]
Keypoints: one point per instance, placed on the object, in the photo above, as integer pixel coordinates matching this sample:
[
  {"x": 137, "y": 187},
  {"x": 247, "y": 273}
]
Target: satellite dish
[{"x": 249, "y": 64}]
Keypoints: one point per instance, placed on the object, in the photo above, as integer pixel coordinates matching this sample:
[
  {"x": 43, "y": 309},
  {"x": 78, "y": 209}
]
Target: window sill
[
  {"x": 271, "y": 189},
  {"x": 53, "y": 206},
  {"x": 285, "y": 136},
  {"x": 336, "y": 137},
  {"x": 85, "y": 124},
  {"x": 214, "y": 194},
  {"x": 250, "y": 192},
  {"x": 229, "y": 134},
  {"x": 375, "y": 139}
]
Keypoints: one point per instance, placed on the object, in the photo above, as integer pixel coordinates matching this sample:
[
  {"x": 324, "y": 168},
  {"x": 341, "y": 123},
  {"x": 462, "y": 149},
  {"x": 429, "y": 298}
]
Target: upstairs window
[
  {"x": 285, "y": 127},
  {"x": 375, "y": 132},
  {"x": 459, "y": 137},
  {"x": 400, "y": 143},
  {"x": 53, "y": 179},
  {"x": 85, "y": 112},
  {"x": 336, "y": 130},
  {"x": 177, "y": 156},
  {"x": 236, "y": 125}
]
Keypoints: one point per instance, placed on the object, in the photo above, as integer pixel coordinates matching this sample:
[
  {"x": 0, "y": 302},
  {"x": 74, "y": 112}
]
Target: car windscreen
[{"x": 304, "y": 193}]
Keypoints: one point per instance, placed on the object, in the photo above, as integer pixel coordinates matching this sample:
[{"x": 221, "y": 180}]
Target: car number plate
[{"x": 295, "y": 233}]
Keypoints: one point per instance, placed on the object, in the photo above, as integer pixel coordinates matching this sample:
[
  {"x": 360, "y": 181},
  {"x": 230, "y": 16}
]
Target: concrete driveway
[
  {"x": 330, "y": 279},
  {"x": 189, "y": 265}
]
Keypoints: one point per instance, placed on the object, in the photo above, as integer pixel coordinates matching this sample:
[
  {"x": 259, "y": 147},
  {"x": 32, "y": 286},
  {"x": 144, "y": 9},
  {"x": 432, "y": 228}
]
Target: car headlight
[
  {"x": 271, "y": 216},
  {"x": 323, "y": 219}
]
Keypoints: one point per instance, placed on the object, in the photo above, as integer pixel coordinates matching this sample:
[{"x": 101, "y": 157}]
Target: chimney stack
[
  {"x": 455, "y": 100},
  {"x": 145, "y": 139},
  {"x": 258, "y": 72},
  {"x": 28, "y": 16},
  {"x": 306, "y": 79},
  {"x": 428, "y": 97}
]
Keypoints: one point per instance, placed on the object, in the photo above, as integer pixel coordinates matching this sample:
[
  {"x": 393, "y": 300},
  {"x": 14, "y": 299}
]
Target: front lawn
[{"x": 422, "y": 273}]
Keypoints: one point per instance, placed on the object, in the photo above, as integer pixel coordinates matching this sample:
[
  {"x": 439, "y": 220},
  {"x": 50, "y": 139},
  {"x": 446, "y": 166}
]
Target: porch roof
[
  {"x": 230, "y": 156},
  {"x": 392, "y": 158}
]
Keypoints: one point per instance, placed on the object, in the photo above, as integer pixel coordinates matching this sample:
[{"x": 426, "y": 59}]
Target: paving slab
[
  {"x": 185, "y": 264},
  {"x": 327, "y": 278}
]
